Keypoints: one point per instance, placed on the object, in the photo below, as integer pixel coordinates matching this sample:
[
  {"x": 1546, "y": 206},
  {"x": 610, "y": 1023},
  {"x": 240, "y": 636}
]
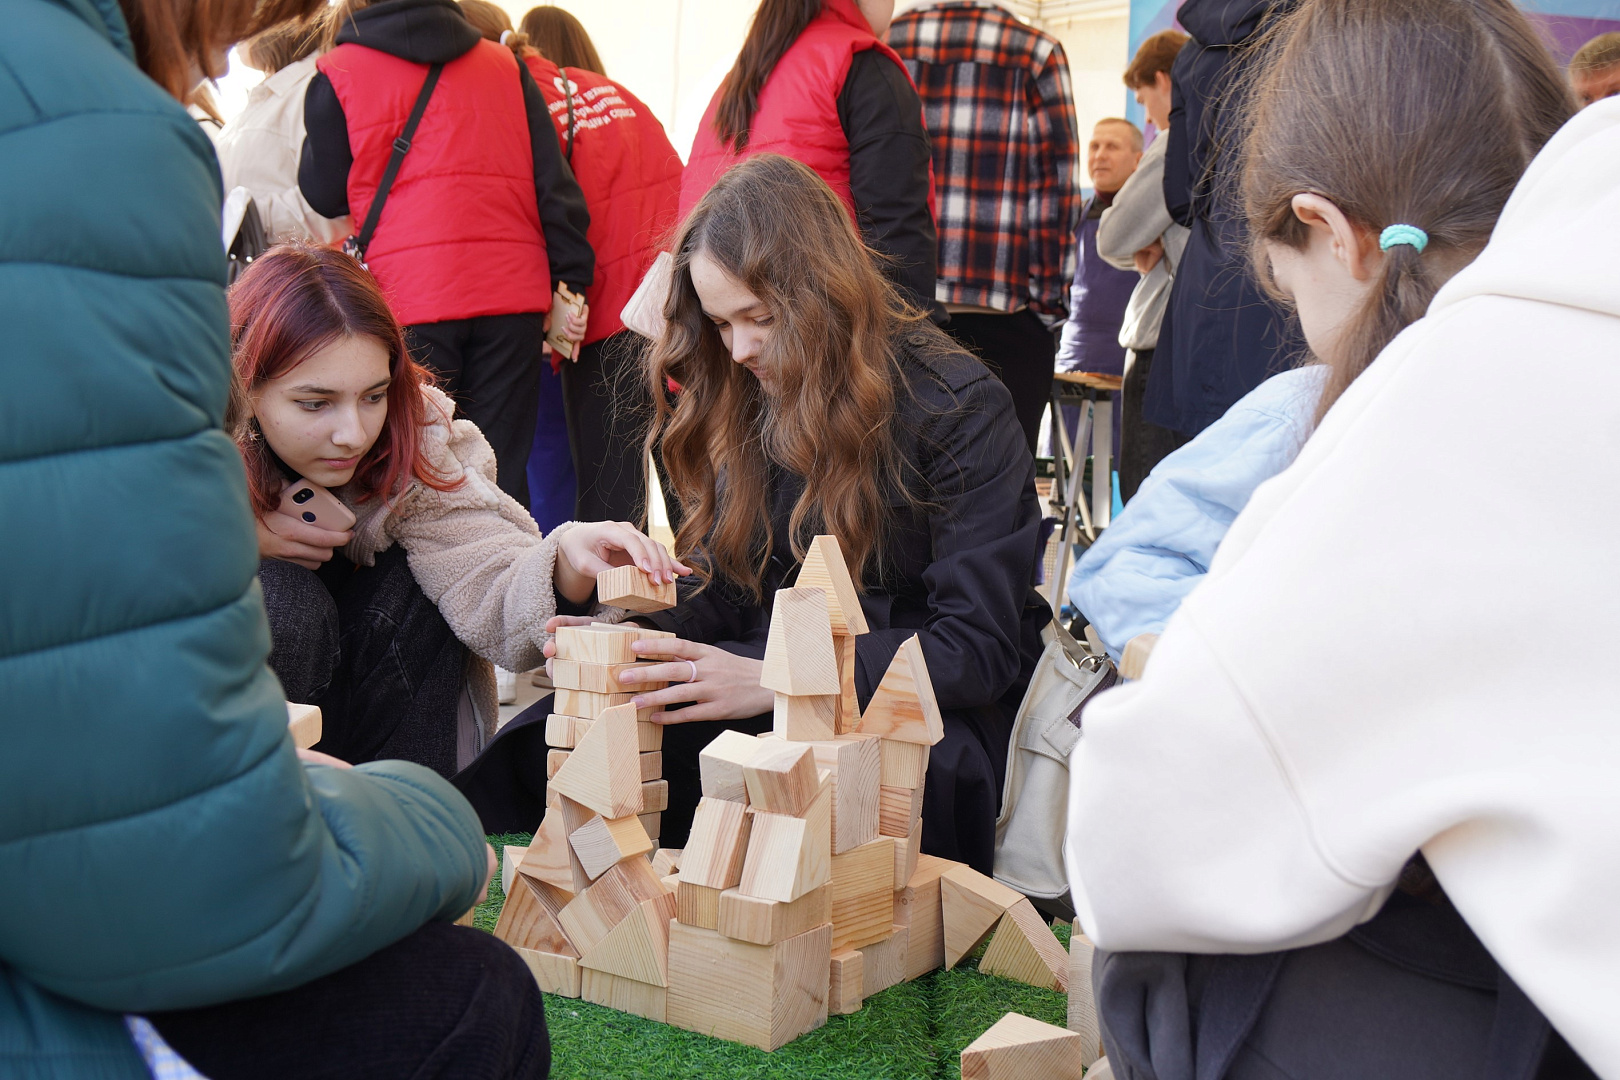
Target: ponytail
[
  {"x": 495, "y": 25},
  {"x": 776, "y": 26}
]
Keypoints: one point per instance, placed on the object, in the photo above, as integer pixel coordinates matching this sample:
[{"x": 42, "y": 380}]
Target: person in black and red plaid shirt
[{"x": 999, "y": 108}]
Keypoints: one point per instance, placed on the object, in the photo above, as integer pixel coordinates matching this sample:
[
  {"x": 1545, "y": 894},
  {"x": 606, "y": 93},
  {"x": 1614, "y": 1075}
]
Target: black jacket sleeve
[
  {"x": 563, "y": 216},
  {"x": 889, "y": 151},
  {"x": 1186, "y": 114},
  {"x": 323, "y": 166}
]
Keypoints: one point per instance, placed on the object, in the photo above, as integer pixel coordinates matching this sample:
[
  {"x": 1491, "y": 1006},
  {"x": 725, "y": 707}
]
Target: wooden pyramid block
[
  {"x": 720, "y": 764},
  {"x": 863, "y": 895},
  {"x": 603, "y": 643},
  {"x": 824, "y": 568},
  {"x": 555, "y": 973},
  {"x": 765, "y": 922},
  {"x": 799, "y": 657},
  {"x": 782, "y": 777},
  {"x": 529, "y": 918},
  {"x": 844, "y": 994},
  {"x": 304, "y": 721},
  {"x": 789, "y": 856},
  {"x": 637, "y": 948},
  {"x": 903, "y": 706},
  {"x": 805, "y": 717},
  {"x": 601, "y": 842},
  {"x": 762, "y": 995},
  {"x": 918, "y": 906},
  {"x": 511, "y": 855},
  {"x": 548, "y": 856},
  {"x": 713, "y": 856},
  {"x": 1025, "y": 950},
  {"x": 631, "y": 588},
  {"x": 1019, "y": 1048},
  {"x": 603, "y": 772},
  {"x": 591, "y": 915},
  {"x": 848, "y": 719},
  {"x": 971, "y": 906}
]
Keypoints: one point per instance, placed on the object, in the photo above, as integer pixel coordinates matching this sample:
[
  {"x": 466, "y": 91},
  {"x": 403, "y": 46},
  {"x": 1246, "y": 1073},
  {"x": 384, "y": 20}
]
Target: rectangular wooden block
[
  {"x": 575, "y": 816},
  {"x": 697, "y": 905},
  {"x": 652, "y": 765},
  {"x": 920, "y": 910},
  {"x": 884, "y": 962},
  {"x": 304, "y": 721},
  {"x": 863, "y": 894},
  {"x": 806, "y": 717},
  {"x": 848, "y": 718},
  {"x": 602, "y": 643},
  {"x": 625, "y": 995},
  {"x": 556, "y": 974},
  {"x": 714, "y": 851},
  {"x": 789, "y": 856},
  {"x": 666, "y": 861},
  {"x": 631, "y": 588},
  {"x": 856, "y": 763},
  {"x": 765, "y": 922},
  {"x": 590, "y": 706},
  {"x": 904, "y": 764},
  {"x": 844, "y": 983},
  {"x": 654, "y": 796},
  {"x": 781, "y": 778},
  {"x": 720, "y": 764},
  {"x": 652, "y": 823},
  {"x": 762, "y": 995},
  {"x": 899, "y": 809},
  {"x": 600, "y": 678},
  {"x": 602, "y": 842},
  {"x": 649, "y": 736},
  {"x": 1020, "y": 1048},
  {"x": 905, "y": 853},
  {"x": 560, "y": 733}
]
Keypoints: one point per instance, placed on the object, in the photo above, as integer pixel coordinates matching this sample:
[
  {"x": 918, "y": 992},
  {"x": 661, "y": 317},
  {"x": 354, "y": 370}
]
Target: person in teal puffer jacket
[{"x": 162, "y": 847}]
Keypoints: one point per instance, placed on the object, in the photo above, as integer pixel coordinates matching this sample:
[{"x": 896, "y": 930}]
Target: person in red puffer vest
[
  {"x": 813, "y": 82},
  {"x": 484, "y": 219}
]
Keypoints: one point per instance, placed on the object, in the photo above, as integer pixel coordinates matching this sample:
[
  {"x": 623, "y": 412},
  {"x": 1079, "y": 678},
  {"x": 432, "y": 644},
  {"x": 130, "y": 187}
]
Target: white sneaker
[{"x": 505, "y": 686}]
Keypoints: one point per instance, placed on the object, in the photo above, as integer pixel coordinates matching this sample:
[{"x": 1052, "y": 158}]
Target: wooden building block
[
  {"x": 666, "y": 861},
  {"x": 603, "y": 643},
  {"x": 555, "y": 973},
  {"x": 304, "y": 721},
  {"x": 593, "y": 913},
  {"x": 649, "y": 736},
  {"x": 762, "y": 995},
  {"x": 1133, "y": 660},
  {"x": 971, "y": 905},
  {"x": 603, "y": 772},
  {"x": 652, "y": 765},
  {"x": 652, "y": 823},
  {"x": 654, "y": 796},
  {"x": 884, "y": 962},
  {"x": 905, "y": 853},
  {"x": 631, "y": 588},
  {"x": 899, "y": 809},
  {"x": 789, "y": 856},
  {"x": 559, "y": 733},
  {"x": 511, "y": 855},
  {"x": 1082, "y": 1003},
  {"x": 824, "y": 568},
  {"x": 904, "y": 764},
  {"x": 637, "y": 948},
  {"x": 799, "y": 656},
  {"x": 576, "y": 816},
  {"x": 781, "y": 777},
  {"x": 529, "y": 919},
  {"x": 468, "y": 917},
  {"x": 765, "y": 922},
  {"x": 856, "y": 764},
  {"x": 805, "y": 717},
  {"x": 863, "y": 894},
  {"x": 697, "y": 905},
  {"x": 849, "y": 703},
  {"x": 600, "y": 678},
  {"x": 720, "y": 764},
  {"x": 601, "y": 842},
  {"x": 1025, "y": 950},
  {"x": 920, "y": 910},
  {"x": 548, "y": 856},
  {"x": 714, "y": 851},
  {"x": 903, "y": 706},
  {"x": 585, "y": 704},
  {"x": 625, "y": 995},
  {"x": 844, "y": 985},
  {"x": 1019, "y": 1048}
]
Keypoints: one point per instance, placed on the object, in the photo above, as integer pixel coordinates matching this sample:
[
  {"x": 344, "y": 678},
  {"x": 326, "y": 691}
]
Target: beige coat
[{"x": 475, "y": 552}]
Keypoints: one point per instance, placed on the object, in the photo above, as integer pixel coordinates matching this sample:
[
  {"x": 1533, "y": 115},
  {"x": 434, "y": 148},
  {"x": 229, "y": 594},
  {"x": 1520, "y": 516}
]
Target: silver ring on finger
[{"x": 693, "y": 665}]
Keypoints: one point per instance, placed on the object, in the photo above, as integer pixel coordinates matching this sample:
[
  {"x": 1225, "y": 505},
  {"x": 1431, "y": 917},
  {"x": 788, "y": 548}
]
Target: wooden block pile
[
  {"x": 1018, "y": 1047},
  {"x": 801, "y": 889}
]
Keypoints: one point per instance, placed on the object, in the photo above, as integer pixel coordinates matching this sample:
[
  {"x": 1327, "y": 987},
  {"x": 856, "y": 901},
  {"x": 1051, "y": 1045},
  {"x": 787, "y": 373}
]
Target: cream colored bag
[
  {"x": 1035, "y": 799},
  {"x": 645, "y": 311}
]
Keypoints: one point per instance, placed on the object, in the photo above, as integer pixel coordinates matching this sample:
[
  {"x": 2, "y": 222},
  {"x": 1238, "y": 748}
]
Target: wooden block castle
[{"x": 801, "y": 890}]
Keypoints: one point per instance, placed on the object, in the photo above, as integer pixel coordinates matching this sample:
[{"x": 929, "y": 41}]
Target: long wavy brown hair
[{"x": 776, "y": 227}]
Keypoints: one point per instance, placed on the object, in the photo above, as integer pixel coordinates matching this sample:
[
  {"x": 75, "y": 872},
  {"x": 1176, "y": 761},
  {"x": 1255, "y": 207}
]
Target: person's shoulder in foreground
[{"x": 1351, "y": 683}]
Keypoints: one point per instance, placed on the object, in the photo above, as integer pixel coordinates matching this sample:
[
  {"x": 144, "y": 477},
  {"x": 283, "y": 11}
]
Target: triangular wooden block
[
  {"x": 604, "y": 771},
  {"x": 903, "y": 706},
  {"x": 789, "y": 856},
  {"x": 713, "y": 856},
  {"x": 970, "y": 905},
  {"x": 548, "y": 857},
  {"x": 593, "y": 914},
  {"x": 1025, "y": 950},
  {"x": 528, "y": 921},
  {"x": 824, "y": 568},
  {"x": 799, "y": 657},
  {"x": 1019, "y": 1048},
  {"x": 638, "y": 948},
  {"x": 601, "y": 842}
]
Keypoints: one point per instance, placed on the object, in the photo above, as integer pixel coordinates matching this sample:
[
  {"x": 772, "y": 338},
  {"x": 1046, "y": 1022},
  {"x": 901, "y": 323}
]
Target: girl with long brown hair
[{"x": 814, "y": 401}]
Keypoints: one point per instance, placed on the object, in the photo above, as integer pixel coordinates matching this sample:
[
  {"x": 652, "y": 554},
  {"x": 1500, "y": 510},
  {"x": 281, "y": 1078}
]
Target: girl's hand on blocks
[
  {"x": 720, "y": 685},
  {"x": 550, "y": 647},
  {"x": 591, "y": 547},
  {"x": 284, "y": 537}
]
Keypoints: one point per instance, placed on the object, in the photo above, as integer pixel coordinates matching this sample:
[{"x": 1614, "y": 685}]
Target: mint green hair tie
[{"x": 1403, "y": 234}]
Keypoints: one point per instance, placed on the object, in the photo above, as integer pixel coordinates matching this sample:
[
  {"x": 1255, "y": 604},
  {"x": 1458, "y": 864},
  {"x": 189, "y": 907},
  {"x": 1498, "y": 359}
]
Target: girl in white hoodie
[{"x": 1387, "y": 657}]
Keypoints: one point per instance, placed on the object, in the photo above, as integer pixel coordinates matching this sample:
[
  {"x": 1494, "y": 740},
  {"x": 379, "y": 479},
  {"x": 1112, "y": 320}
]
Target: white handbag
[{"x": 1035, "y": 799}]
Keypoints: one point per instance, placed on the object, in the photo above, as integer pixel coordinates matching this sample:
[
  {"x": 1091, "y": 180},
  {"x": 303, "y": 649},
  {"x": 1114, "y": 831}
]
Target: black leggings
[
  {"x": 447, "y": 1001},
  {"x": 367, "y": 646}
]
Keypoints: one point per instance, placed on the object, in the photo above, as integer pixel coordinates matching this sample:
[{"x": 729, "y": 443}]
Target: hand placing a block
[
  {"x": 589, "y": 548},
  {"x": 718, "y": 684}
]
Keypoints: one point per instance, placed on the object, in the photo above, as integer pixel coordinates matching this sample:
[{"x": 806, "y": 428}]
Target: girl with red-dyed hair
[{"x": 439, "y": 573}]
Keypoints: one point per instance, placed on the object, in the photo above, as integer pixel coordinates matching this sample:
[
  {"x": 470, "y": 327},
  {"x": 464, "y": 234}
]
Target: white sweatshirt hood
[{"x": 1407, "y": 642}]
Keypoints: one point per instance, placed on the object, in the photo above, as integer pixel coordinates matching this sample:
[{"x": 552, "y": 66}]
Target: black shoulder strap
[
  {"x": 401, "y": 146},
  {"x": 568, "y": 96}
]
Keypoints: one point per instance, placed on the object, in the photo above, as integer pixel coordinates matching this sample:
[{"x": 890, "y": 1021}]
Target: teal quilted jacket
[{"x": 160, "y": 844}]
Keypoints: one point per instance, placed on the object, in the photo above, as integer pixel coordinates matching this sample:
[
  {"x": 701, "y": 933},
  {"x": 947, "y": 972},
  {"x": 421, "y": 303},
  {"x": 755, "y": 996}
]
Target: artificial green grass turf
[{"x": 913, "y": 1031}]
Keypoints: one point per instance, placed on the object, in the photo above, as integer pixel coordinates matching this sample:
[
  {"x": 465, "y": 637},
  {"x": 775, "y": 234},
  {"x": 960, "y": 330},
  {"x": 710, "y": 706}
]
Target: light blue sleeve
[{"x": 1135, "y": 576}]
